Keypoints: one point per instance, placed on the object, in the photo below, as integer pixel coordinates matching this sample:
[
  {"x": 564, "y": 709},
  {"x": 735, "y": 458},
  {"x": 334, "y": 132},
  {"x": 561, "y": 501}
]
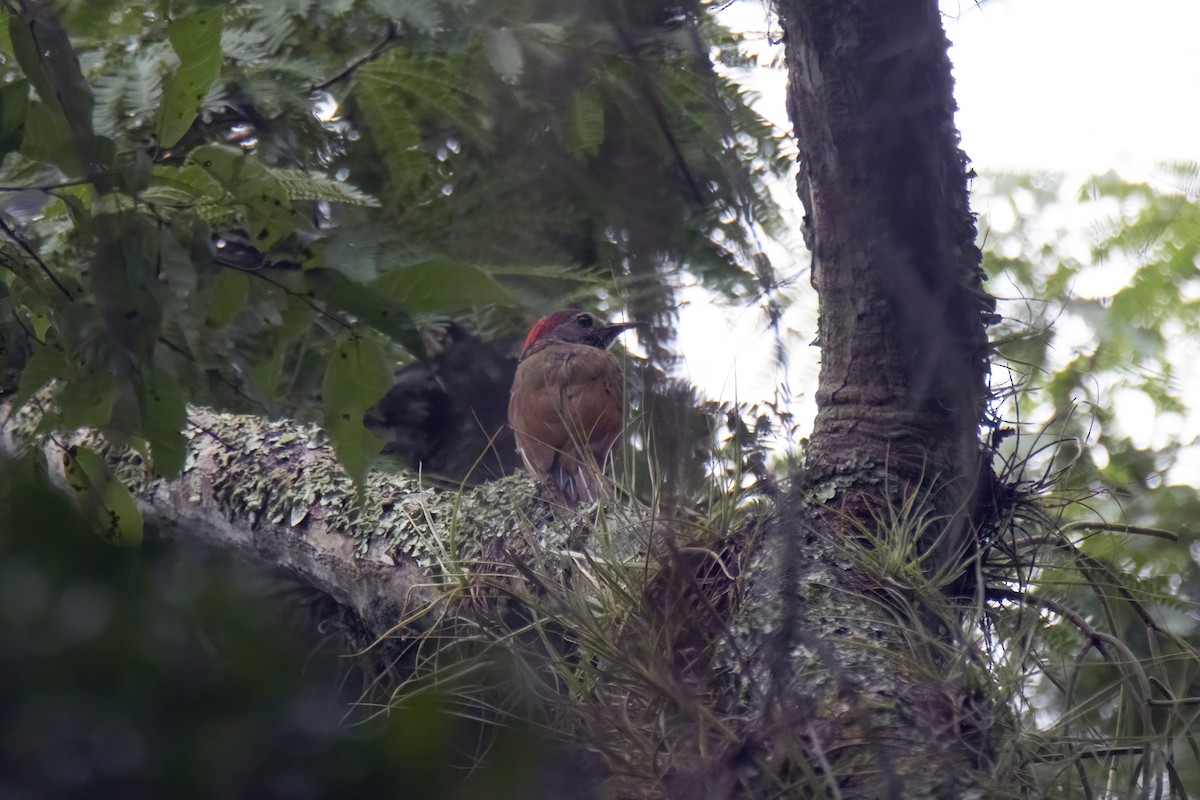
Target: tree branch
[{"x": 274, "y": 492}]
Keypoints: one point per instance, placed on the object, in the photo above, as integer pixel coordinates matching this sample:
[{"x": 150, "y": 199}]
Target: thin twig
[
  {"x": 189, "y": 356},
  {"x": 1117, "y": 527},
  {"x": 10, "y": 233},
  {"x": 45, "y": 187},
  {"x": 1053, "y": 606},
  {"x": 209, "y": 432},
  {"x": 299, "y": 295},
  {"x": 375, "y": 52}
]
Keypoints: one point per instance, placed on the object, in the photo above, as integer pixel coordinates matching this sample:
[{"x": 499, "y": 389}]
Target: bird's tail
[{"x": 575, "y": 482}]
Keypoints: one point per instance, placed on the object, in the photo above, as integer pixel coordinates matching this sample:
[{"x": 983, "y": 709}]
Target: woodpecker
[{"x": 567, "y": 401}]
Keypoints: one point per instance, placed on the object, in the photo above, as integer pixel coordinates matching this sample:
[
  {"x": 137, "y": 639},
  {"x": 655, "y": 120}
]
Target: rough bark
[
  {"x": 902, "y": 310},
  {"x": 856, "y": 659},
  {"x": 273, "y": 492}
]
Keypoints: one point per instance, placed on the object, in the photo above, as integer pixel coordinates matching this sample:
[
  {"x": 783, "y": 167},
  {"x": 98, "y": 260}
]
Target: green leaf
[
  {"x": 228, "y": 298},
  {"x": 14, "y": 104},
  {"x": 164, "y": 416},
  {"x": 357, "y": 376},
  {"x": 190, "y": 183},
  {"x": 196, "y": 39},
  {"x": 441, "y": 286},
  {"x": 43, "y": 49},
  {"x": 297, "y": 320},
  {"x": 48, "y": 139},
  {"x": 125, "y": 279},
  {"x": 356, "y": 447},
  {"x": 134, "y": 173},
  {"x": 102, "y": 497},
  {"x": 264, "y": 377},
  {"x": 269, "y": 212},
  {"x": 44, "y": 52},
  {"x": 46, "y": 364},
  {"x": 365, "y": 252},
  {"x": 87, "y": 401},
  {"x": 179, "y": 259}
]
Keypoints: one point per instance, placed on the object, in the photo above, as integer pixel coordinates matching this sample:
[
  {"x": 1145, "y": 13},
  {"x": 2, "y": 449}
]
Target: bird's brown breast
[{"x": 565, "y": 398}]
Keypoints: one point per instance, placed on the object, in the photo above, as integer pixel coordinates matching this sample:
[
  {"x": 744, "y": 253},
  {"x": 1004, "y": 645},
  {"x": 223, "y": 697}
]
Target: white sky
[
  {"x": 1074, "y": 86},
  {"x": 1077, "y": 85},
  {"x": 1060, "y": 85}
]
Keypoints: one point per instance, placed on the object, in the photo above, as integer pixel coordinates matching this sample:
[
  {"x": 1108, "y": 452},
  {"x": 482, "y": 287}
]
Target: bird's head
[{"x": 572, "y": 327}]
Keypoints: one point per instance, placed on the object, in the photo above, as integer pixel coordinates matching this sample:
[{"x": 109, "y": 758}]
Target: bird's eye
[{"x": 584, "y": 321}]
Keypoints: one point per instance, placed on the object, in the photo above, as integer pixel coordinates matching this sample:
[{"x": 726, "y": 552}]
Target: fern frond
[
  {"x": 314, "y": 186},
  {"x": 299, "y": 67},
  {"x": 265, "y": 30},
  {"x": 438, "y": 90},
  {"x": 131, "y": 89},
  {"x": 396, "y": 135},
  {"x": 585, "y": 127},
  {"x": 421, "y": 15},
  {"x": 299, "y": 8}
]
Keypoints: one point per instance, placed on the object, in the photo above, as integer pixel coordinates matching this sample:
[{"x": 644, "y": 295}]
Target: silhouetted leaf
[
  {"x": 47, "y": 138},
  {"x": 14, "y": 104}
]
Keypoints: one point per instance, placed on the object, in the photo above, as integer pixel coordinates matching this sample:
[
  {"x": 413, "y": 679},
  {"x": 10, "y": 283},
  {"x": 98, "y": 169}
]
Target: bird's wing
[{"x": 535, "y": 413}]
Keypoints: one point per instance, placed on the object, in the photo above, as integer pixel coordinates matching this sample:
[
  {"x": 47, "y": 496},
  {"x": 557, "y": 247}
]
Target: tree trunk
[
  {"x": 862, "y": 682},
  {"x": 904, "y": 351}
]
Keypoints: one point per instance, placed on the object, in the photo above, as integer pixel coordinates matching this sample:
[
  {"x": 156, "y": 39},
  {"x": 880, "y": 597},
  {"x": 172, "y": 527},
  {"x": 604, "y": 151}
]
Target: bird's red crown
[{"x": 545, "y": 325}]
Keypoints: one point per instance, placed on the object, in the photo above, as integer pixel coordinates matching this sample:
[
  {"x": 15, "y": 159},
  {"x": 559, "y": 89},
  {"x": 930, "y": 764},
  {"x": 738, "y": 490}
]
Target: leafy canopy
[{"x": 242, "y": 204}]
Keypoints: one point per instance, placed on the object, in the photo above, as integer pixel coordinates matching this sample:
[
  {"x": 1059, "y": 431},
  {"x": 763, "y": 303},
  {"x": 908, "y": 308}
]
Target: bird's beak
[{"x": 611, "y": 332}]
